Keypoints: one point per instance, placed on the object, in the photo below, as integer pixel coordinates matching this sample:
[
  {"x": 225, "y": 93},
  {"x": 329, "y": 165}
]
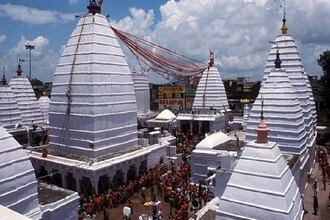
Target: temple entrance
[
  {"x": 143, "y": 167},
  {"x": 103, "y": 184},
  {"x": 131, "y": 173},
  {"x": 42, "y": 172},
  {"x": 205, "y": 128},
  {"x": 71, "y": 182},
  {"x": 118, "y": 179},
  {"x": 185, "y": 126},
  {"x": 195, "y": 127},
  {"x": 86, "y": 186},
  {"x": 57, "y": 178}
]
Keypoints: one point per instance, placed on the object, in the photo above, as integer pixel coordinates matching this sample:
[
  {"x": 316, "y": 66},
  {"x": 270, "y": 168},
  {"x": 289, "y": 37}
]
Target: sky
[{"x": 238, "y": 31}]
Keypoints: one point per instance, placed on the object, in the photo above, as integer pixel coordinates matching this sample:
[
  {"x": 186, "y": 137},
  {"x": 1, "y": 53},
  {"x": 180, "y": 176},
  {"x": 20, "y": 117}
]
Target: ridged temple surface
[{"x": 101, "y": 115}]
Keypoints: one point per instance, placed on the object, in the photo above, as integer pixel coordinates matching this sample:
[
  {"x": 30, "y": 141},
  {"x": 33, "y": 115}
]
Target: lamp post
[{"x": 29, "y": 47}]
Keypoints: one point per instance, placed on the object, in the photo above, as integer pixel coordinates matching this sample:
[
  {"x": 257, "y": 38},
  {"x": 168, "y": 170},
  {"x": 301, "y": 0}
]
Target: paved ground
[{"x": 323, "y": 197}]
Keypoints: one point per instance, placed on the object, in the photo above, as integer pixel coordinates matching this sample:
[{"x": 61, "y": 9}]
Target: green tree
[{"x": 324, "y": 62}]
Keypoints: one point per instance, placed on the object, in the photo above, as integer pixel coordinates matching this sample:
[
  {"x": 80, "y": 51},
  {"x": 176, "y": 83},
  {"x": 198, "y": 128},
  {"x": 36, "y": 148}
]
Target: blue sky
[{"x": 237, "y": 30}]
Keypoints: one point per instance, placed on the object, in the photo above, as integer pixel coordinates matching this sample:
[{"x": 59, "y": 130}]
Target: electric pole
[{"x": 29, "y": 47}]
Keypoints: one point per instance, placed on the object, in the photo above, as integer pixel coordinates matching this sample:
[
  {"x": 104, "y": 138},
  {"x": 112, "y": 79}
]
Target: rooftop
[{"x": 51, "y": 193}]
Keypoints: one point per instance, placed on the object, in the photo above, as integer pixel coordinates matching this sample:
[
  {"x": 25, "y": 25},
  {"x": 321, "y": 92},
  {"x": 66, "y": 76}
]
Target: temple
[
  {"x": 93, "y": 107},
  {"x": 292, "y": 123},
  {"x": 210, "y": 108},
  {"x": 20, "y": 190},
  {"x": 261, "y": 185},
  {"x": 93, "y": 115},
  {"x": 26, "y": 99},
  {"x": 44, "y": 107},
  {"x": 10, "y": 115}
]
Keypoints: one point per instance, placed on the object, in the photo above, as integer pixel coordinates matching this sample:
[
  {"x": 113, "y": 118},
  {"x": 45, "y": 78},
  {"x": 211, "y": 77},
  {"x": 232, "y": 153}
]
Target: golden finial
[{"x": 284, "y": 28}]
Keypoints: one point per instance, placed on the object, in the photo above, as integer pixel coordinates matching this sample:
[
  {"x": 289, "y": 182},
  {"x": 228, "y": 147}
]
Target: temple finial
[
  {"x": 284, "y": 28},
  {"x": 262, "y": 129},
  {"x": 278, "y": 61},
  {"x": 94, "y": 7},
  {"x": 19, "y": 70},
  {"x": 4, "y": 80}
]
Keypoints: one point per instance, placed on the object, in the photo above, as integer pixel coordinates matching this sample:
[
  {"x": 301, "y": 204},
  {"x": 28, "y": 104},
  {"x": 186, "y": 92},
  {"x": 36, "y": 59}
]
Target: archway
[
  {"x": 118, "y": 178},
  {"x": 71, "y": 182},
  {"x": 143, "y": 167},
  {"x": 131, "y": 173},
  {"x": 86, "y": 186},
  {"x": 43, "y": 175},
  {"x": 103, "y": 184},
  {"x": 57, "y": 178}
]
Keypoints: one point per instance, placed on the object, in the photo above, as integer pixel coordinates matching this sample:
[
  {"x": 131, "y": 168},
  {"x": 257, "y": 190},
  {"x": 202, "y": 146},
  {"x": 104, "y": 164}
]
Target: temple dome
[
  {"x": 261, "y": 186},
  {"x": 166, "y": 115},
  {"x": 142, "y": 92},
  {"x": 291, "y": 61},
  {"x": 282, "y": 111},
  {"x": 26, "y": 100},
  {"x": 93, "y": 108},
  {"x": 213, "y": 140},
  {"x": 18, "y": 189},
  {"x": 212, "y": 86},
  {"x": 10, "y": 115},
  {"x": 44, "y": 107}
]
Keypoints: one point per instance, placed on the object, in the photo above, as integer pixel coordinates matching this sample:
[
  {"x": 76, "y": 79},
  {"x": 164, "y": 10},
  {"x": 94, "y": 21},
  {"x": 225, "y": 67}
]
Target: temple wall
[{"x": 64, "y": 209}]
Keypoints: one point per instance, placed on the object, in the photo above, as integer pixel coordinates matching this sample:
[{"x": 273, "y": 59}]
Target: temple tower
[
  {"x": 18, "y": 182},
  {"x": 44, "y": 107},
  {"x": 261, "y": 185},
  {"x": 93, "y": 109},
  {"x": 26, "y": 98},
  {"x": 142, "y": 91},
  {"x": 10, "y": 115},
  {"x": 211, "y": 92}
]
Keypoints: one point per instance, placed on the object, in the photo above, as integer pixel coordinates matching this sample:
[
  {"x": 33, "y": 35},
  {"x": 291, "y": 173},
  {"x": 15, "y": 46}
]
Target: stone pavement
[{"x": 323, "y": 196}]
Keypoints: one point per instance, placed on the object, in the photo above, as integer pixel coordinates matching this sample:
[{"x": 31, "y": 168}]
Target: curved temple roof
[
  {"x": 44, "y": 107},
  {"x": 93, "y": 108},
  {"x": 282, "y": 111},
  {"x": 10, "y": 115},
  {"x": 18, "y": 183},
  {"x": 26, "y": 100},
  {"x": 142, "y": 92},
  {"x": 291, "y": 61},
  {"x": 212, "y": 86},
  {"x": 261, "y": 186}
]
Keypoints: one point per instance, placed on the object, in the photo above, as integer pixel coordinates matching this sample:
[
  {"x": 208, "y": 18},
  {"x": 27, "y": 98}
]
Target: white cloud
[
  {"x": 238, "y": 31},
  {"x": 44, "y": 60},
  {"x": 139, "y": 23},
  {"x": 73, "y": 1},
  {"x": 3, "y": 38},
  {"x": 33, "y": 15}
]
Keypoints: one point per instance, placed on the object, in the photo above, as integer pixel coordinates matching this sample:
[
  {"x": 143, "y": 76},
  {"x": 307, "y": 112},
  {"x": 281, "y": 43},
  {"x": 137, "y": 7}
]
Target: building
[
  {"x": 26, "y": 99},
  {"x": 21, "y": 192},
  {"x": 214, "y": 152},
  {"x": 93, "y": 114},
  {"x": 210, "y": 109},
  {"x": 142, "y": 94},
  {"x": 282, "y": 122},
  {"x": 44, "y": 107},
  {"x": 285, "y": 119},
  {"x": 261, "y": 185},
  {"x": 10, "y": 115}
]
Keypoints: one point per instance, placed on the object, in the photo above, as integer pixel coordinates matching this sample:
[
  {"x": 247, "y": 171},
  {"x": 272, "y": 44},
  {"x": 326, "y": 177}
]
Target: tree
[{"x": 324, "y": 62}]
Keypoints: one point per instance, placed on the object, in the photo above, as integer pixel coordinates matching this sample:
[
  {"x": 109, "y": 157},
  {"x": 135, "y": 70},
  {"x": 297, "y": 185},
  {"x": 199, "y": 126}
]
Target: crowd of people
[
  {"x": 172, "y": 185},
  {"x": 117, "y": 194},
  {"x": 324, "y": 166}
]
